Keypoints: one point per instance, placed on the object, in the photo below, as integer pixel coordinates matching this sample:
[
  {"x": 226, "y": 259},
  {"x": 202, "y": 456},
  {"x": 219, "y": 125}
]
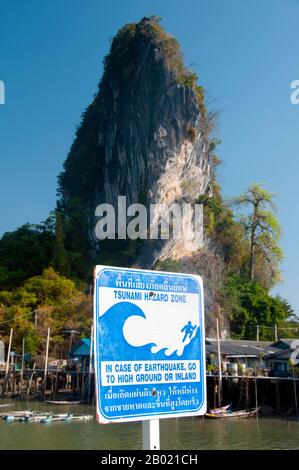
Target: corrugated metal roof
[{"x": 241, "y": 347}]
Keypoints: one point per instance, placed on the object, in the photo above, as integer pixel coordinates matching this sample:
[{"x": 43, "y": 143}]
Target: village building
[
  {"x": 80, "y": 354},
  {"x": 238, "y": 357},
  {"x": 253, "y": 357}
]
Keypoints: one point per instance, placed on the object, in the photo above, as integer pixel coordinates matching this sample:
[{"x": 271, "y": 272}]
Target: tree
[
  {"x": 248, "y": 304},
  {"x": 60, "y": 259},
  {"x": 57, "y": 303},
  {"x": 49, "y": 288},
  {"x": 25, "y": 252},
  {"x": 261, "y": 227}
]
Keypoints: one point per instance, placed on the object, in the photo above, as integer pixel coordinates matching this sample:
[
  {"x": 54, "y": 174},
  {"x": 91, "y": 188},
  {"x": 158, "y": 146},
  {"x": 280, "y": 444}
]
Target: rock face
[{"x": 145, "y": 136}]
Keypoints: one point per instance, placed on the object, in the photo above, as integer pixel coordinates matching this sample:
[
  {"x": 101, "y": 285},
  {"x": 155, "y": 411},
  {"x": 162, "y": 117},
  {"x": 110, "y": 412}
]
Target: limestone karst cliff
[{"x": 145, "y": 136}]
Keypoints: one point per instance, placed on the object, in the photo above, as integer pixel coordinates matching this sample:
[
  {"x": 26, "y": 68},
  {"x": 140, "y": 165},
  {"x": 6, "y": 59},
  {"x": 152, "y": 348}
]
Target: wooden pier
[
  {"x": 31, "y": 383},
  {"x": 275, "y": 393},
  {"x": 278, "y": 393}
]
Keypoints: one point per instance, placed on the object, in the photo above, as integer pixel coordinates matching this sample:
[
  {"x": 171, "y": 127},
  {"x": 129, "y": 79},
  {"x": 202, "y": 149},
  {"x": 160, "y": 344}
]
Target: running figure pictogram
[{"x": 188, "y": 329}]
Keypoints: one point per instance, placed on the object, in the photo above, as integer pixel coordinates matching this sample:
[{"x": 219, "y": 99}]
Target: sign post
[
  {"x": 149, "y": 347},
  {"x": 151, "y": 434}
]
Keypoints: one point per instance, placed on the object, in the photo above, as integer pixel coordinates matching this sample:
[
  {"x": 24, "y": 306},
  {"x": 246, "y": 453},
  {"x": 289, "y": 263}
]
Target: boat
[
  {"x": 251, "y": 413},
  {"x": 68, "y": 417},
  {"x": 52, "y": 418},
  {"x": 37, "y": 418},
  {"x": 15, "y": 418},
  {"x": 222, "y": 409},
  {"x": 79, "y": 418},
  {"x": 42, "y": 417},
  {"x": 16, "y": 414},
  {"x": 62, "y": 402}
]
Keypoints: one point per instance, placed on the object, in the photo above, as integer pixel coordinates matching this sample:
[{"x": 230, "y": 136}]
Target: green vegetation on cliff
[{"x": 121, "y": 58}]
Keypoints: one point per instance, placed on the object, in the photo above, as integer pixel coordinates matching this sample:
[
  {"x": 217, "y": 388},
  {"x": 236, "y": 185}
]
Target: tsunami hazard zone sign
[{"x": 149, "y": 344}]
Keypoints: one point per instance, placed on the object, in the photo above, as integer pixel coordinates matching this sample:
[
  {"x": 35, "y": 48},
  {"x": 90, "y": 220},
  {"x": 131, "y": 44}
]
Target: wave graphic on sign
[{"x": 129, "y": 334}]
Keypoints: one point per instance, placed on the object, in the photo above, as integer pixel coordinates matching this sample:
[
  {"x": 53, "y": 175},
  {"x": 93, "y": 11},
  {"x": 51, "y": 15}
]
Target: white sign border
[{"x": 203, "y": 407}]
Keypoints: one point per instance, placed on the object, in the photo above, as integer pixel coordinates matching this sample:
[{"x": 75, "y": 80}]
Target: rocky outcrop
[{"x": 145, "y": 136}]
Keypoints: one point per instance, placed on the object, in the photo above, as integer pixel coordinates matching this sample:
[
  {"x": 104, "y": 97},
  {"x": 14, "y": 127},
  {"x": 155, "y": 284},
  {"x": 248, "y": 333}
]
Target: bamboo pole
[
  {"x": 56, "y": 388},
  {"x": 78, "y": 378},
  {"x": 83, "y": 379},
  {"x": 295, "y": 390},
  {"x": 31, "y": 378},
  {"x": 46, "y": 362},
  {"x": 8, "y": 353},
  {"x": 23, "y": 361},
  {"x": 90, "y": 362},
  {"x": 256, "y": 400},
  {"x": 13, "y": 383},
  {"x": 219, "y": 365},
  {"x": 215, "y": 391}
]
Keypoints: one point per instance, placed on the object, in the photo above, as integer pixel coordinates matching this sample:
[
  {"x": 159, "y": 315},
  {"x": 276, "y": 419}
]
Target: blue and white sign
[{"x": 149, "y": 345}]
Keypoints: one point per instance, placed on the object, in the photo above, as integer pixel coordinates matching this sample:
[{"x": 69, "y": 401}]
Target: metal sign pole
[{"x": 151, "y": 434}]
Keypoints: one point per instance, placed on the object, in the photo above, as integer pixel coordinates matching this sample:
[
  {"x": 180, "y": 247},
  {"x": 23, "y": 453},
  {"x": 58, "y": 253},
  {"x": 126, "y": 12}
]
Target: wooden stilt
[
  {"x": 83, "y": 379},
  {"x": 90, "y": 363},
  {"x": 30, "y": 380},
  {"x": 23, "y": 363},
  {"x": 277, "y": 391},
  {"x": 256, "y": 399},
  {"x": 8, "y": 353},
  {"x": 8, "y": 361},
  {"x": 46, "y": 362},
  {"x": 295, "y": 391}
]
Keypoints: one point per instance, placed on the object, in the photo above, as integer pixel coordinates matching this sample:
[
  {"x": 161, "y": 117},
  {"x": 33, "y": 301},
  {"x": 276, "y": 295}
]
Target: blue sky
[{"x": 245, "y": 52}]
